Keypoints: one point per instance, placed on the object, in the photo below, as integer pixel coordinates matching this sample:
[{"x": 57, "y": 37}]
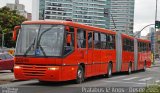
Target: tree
[{"x": 9, "y": 19}]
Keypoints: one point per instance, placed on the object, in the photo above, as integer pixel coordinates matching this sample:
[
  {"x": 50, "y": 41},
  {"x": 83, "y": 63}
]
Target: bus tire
[
  {"x": 109, "y": 74},
  {"x": 43, "y": 82},
  {"x": 144, "y": 67},
  {"x": 129, "y": 68},
  {"x": 80, "y": 75}
]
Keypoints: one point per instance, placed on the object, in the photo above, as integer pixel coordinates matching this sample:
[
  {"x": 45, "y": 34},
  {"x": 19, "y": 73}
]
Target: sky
[{"x": 144, "y": 12}]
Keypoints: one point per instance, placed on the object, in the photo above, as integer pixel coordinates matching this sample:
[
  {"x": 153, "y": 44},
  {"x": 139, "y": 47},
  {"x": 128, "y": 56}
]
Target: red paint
[
  {"x": 95, "y": 60},
  {"x": 6, "y": 63}
]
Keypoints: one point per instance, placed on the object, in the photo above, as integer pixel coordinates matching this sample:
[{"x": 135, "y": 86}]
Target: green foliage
[
  {"x": 152, "y": 89},
  {"x": 9, "y": 19}
]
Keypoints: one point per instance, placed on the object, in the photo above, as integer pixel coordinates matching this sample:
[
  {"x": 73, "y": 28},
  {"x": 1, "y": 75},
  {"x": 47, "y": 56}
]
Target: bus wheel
[
  {"x": 80, "y": 75},
  {"x": 43, "y": 82},
  {"x": 144, "y": 67},
  {"x": 129, "y": 68},
  {"x": 109, "y": 74}
]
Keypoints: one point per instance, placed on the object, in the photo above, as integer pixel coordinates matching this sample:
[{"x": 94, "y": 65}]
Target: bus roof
[
  {"x": 143, "y": 40},
  {"x": 78, "y": 25},
  {"x": 127, "y": 36},
  {"x": 70, "y": 23}
]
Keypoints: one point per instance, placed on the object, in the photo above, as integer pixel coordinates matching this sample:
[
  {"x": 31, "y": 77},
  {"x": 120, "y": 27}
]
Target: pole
[
  {"x": 43, "y": 14},
  {"x": 155, "y": 33},
  {"x": 156, "y": 10},
  {"x": 2, "y": 40},
  {"x": 113, "y": 21}
]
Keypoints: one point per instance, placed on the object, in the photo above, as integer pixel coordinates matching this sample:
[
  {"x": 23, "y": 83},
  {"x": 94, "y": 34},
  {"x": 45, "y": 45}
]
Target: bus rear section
[{"x": 144, "y": 54}]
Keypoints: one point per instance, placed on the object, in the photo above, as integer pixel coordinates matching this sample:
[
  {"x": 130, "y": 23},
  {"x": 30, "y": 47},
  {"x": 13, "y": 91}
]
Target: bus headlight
[
  {"x": 53, "y": 68},
  {"x": 17, "y": 67}
]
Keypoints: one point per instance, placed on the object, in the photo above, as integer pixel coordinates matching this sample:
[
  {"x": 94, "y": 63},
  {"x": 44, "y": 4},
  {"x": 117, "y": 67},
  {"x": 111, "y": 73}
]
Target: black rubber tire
[
  {"x": 144, "y": 67},
  {"x": 80, "y": 75},
  {"x": 43, "y": 82},
  {"x": 129, "y": 68},
  {"x": 109, "y": 73}
]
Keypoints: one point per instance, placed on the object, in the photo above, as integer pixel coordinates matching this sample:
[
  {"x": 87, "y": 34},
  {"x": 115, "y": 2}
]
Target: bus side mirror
[
  {"x": 68, "y": 38},
  {"x": 16, "y": 28}
]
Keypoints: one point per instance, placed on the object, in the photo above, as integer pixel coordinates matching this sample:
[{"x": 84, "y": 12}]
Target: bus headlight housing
[
  {"x": 53, "y": 68},
  {"x": 17, "y": 67}
]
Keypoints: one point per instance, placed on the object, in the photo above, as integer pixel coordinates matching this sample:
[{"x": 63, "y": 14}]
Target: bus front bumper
[{"x": 42, "y": 73}]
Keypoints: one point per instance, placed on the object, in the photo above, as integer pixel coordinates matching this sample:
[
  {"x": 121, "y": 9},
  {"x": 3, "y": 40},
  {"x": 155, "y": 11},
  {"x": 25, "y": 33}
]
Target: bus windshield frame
[{"x": 42, "y": 40}]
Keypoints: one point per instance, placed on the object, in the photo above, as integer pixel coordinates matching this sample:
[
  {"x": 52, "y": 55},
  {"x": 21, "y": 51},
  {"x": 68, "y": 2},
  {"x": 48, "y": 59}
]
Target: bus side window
[
  {"x": 149, "y": 47},
  {"x": 103, "y": 41},
  {"x": 69, "y": 46},
  {"x": 90, "y": 40},
  {"x": 81, "y": 38},
  {"x": 97, "y": 41},
  {"x": 113, "y": 42}
]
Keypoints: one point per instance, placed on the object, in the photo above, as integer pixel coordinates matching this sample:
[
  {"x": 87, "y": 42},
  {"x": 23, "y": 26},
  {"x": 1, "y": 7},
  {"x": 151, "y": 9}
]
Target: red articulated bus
[{"x": 66, "y": 50}]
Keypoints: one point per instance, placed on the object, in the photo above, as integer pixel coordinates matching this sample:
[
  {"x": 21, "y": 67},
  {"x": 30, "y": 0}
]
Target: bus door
[
  {"x": 81, "y": 46},
  {"x": 90, "y": 53},
  {"x": 96, "y": 54}
]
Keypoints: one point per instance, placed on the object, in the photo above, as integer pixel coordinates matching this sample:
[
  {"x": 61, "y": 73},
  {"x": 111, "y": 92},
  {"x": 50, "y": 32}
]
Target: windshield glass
[{"x": 40, "y": 40}]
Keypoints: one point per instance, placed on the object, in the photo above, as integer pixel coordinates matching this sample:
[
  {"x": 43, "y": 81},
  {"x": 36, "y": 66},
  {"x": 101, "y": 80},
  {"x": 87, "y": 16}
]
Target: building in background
[
  {"x": 89, "y": 12},
  {"x": 121, "y": 15},
  {"x": 100, "y": 13},
  {"x": 154, "y": 37},
  {"x": 20, "y": 9},
  {"x": 29, "y": 16},
  {"x": 157, "y": 44}
]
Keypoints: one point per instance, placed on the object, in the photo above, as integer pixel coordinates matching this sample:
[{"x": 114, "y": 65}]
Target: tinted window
[
  {"x": 149, "y": 47},
  {"x": 110, "y": 41},
  {"x": 90, "y": 40},
  {"x": 103, "y": 41},
  {"x": 142, "y": 47},
  {"x": 81, "y": 38},
  {"x": 69, "y": 46},
  {"x": 97, "y": 42},
  {"x": 128, "y": 45}
]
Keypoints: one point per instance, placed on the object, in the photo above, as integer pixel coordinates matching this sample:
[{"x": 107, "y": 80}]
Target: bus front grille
[{"x": 34, "y": 70}]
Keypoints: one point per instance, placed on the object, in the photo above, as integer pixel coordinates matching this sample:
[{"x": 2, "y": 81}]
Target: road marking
[
  {"x": 145, "y": 79},
  {"x": 131, "y": 78},
  {"x": 117, "y": 77},
  {"x": 125, "y": 82}
]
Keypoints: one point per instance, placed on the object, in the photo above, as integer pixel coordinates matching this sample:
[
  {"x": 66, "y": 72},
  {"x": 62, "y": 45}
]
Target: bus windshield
[{"x": 40, "y": 40}]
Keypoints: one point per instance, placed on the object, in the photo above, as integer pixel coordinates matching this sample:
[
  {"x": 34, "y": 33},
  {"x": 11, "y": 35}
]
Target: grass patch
[{"x": 152, "y": 89}]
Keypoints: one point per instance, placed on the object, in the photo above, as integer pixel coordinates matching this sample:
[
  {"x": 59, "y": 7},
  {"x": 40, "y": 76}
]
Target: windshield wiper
[
  {"x": 38, "y": 45},
  {"x": 38, "y": 41},
  {"x": 32, "y": 44}
]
